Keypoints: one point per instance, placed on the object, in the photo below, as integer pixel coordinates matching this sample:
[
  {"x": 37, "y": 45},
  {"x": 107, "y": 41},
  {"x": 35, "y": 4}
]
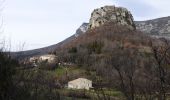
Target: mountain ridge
[
  {"x": 159, "y": 27},
  {"x": 46, "y": 50}
]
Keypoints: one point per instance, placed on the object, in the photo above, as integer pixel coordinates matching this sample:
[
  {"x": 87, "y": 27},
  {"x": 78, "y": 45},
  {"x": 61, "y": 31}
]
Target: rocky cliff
[
  {"x": 117, "y": 15},
  {"x": 82, "y": 29},
  {"x": 158, "y": 27}
]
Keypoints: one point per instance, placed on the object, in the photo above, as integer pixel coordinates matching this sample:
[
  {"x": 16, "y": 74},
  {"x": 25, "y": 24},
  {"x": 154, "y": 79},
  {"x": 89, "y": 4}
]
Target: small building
[
  {"x": 80, "y": 83},
  {"x": 36, "y": 60},
  {"x": 49, "y": 58},
  {"x": 33, "y": 59}
]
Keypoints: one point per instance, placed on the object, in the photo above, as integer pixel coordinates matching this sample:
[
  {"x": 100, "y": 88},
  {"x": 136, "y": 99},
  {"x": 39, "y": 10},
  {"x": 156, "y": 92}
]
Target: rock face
[
  {"x": 158, "y": 27},
  {"x": 114, "y": 14},
  {"x": 82, "y": 29}
]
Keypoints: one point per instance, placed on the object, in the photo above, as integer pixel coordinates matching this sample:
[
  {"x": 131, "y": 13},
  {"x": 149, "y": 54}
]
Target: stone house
[
  {"x": 33, "y": 59},
  {"x": 48, "y": 58},
  {"x": 80, "y": 83}
]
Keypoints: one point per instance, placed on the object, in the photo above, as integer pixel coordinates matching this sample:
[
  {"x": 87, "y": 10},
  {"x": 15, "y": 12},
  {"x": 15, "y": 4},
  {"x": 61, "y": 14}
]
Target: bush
[
  {"x": 73, "y": 50},
  {"x": 95, "y": 47},
  {"x": 7, "y": 72}
]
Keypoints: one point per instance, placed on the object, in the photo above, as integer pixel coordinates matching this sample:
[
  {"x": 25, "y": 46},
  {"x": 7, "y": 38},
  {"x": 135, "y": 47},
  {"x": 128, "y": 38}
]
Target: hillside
[
  {"x": 111, "y": 33},
  {"x": 112, "y": 56},
  {"x": 121, "y": 62},
  {"x": 41, "y": 51}
]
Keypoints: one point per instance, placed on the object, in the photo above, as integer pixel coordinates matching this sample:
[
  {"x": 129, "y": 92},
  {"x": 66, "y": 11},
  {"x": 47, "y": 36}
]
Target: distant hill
[{"x": 29, "y": 53}]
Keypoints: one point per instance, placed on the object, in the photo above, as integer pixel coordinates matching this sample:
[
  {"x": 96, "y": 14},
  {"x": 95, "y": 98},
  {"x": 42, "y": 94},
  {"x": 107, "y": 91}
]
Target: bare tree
[
  {"x": 124, "y": 63},
  {"x": 161, "y": 57}
]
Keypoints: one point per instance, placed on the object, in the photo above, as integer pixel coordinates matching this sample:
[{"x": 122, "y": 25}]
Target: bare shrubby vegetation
[
  {"x": 25, "y": 84},
  {"x": 113, "y": 57},
  {"x": 7, "y": 70},
  {"x": 129, "y": 61}
]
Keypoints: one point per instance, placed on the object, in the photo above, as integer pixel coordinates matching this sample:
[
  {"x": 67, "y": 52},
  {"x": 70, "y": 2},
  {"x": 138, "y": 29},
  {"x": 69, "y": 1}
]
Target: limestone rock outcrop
[
  {"x": 118, "y": 15},
  {"x": 82, "y": 29},
  {"x": 157, "y": 27}
]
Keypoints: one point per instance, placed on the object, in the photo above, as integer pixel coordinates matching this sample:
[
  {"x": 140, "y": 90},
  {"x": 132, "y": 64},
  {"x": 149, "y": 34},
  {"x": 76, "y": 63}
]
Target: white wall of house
[
  {"x": 80, "y": 83},
  {"x": 49, "y": 58},
  {"x": 32, "y": 59}
]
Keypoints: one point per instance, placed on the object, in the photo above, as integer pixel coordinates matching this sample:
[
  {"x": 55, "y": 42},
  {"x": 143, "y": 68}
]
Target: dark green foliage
[
  {"x": 73, "y": 50},
  {"x": 7, "y": 71},
  {"x": 37, "y": 85},
  {"x": 95, "y": 47},
  {"x": 25, "y": 84},
  {"x": 45, "y": 65}
]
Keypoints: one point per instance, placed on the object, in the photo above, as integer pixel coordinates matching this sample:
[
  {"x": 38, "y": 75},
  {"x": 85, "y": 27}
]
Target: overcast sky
[{"x": 40, "y": 23}]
